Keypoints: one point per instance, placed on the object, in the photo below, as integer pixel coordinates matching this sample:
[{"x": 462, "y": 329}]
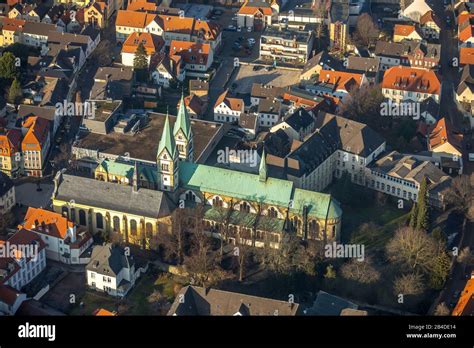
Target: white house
[
  {"x": 63, "y": 242},
  {"x": 112, "y": 270},
  {"x": 228, "y": 109}
]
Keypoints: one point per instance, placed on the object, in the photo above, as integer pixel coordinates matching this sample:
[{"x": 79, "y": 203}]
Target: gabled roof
[
  {"x": 321, "y": 59},
  {"x": 201, "y": 301},
  {"x": 255, "y": 7},
  {"x": 412, "y": 79},
  {"x": 5, "y": 184},
  {"x": 299, "y": 119},
  {"x": 466, "y": 55},
  {"x": 342, "y": 80},
  {"x": 442, "y": 133},
  {"x": 430, "y": 17},
  {"x": 134, "y": 19},
  {"x": 47, "y": 222},
  {"x": 10, "y": 142},
  {"x": 404, "y": 30},
  {"x": 109, "y": 260},
  {"x": 235, "y": 104},
  {"x": 191, "y": 52},
  {"x": 37, "y": 133},
  {"x": 152, "y": 43}
]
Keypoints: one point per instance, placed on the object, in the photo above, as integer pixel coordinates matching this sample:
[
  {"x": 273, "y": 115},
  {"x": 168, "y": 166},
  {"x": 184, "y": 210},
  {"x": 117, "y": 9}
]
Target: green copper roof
[
  {"x": 167, "y": 140},
  {"x": 127, "y": 169},
  {"x": 117, "y": 168},
  {"x": 318, "y": 204},
  {"x": 182, "y": 120},
  {"x": 236, "y": 184},
  {"x": 263, "y": 168}
]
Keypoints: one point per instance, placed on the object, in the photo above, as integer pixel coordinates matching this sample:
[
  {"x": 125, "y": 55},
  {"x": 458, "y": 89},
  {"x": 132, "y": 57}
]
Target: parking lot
[{"x": 278, "y": 77}]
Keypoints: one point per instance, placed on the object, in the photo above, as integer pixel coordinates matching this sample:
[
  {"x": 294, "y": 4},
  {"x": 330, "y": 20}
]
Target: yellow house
[
  {"x": 96, "y": 14},
  {"x": 338, "y": 35},
  {"x": 10, "y": 152},
  {"x": 11, "y": 31}
]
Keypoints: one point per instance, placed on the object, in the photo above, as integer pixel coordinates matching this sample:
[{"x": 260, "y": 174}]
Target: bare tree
[
  {"x": 461, "y": 195},
  {"x": 361, "y": 271},
  {"x": 442, "y": 310},
  {"x": 224, "y": 216},
  {"x": 319, "y": 11},
  {"x": 408, "y": 284},
  {"x": 412, "y": 248},
  {"x": 367, "y": 30},
  {"x": 465, "y": 255},
  {"x": 173, "y": 243}
]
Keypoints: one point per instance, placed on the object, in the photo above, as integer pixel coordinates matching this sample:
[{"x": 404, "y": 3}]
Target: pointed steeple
[
  {"x": 182, "y": 120},
  {"x": 167, "y": 140},
  {"x": 262, "y": 171}
]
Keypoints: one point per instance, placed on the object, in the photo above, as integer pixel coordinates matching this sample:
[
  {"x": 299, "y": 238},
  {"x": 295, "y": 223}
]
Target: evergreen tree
[
  {"x": 140, "y": 63},
  {"x": 8, "y": 69},
  {"x": 422, "y": 218},
  {"x": 413, "y": 215},
  {"x": 15, "y": 93}
]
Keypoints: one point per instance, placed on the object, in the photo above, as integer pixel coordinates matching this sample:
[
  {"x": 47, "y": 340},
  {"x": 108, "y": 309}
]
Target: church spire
[
  {"x": 262, "y": 171},
  {"x": 182, "y": 120},
  {"x": 167, "y": 140}
]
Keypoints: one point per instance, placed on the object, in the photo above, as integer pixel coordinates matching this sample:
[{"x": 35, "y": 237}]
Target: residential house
[
  {"x": 64, "y": 241},
  {"x": 405, "y": 32},
  {"x": 466, "y": 30},
  {"x": 408, "y": 53},
  {"x": 262, "y": 91},
  {"x": 10, "y": 155},
  {"x": 96, "y": 15},
  {"x": 112, "y": 83},
  {"x": 11, "y": 31},
  {"x": 466, "y": 56},
  {"x": 337, "y": 84},
  {"x": 445, "y": 141},
  {"x": 46, "y": 112},
  {"x": 205, "y": 301},
  {"x": 197, "y": 57},
  {"x": 416, "y": 10},
  {"x": 286, "y": 45},
  {"x": 196, "y": 106},
  {"x": 321, "y": 61},
  {"x": 297, "y": 125},
  {"x": 369, "y": 67},
  {"x": 199, "y": 88},
  {"x": 35, "y": 145},
  {"x": 88, "y": 39},
  {"x": 465, "y": 304},
  {"x": 112, "y": 270},
  {"x": 7, "y": 193},
  {"x": 465, "y": 93},
  {"x": 255, "y": 14},
  {"x": 227, "y": 108},
  {"x": 269, "y": 112},
  {"x": 29, "y": 261},
  {"x": 153, "y": 45},
  {"x": 430, "y": 26},
  {"x": 166, "y": 70},
  {"x": 10, "y": 300},
  {"x": 37, "y": 34},
  {"x": 411, "y": 84},
  {"x": 248, "y": 121}
]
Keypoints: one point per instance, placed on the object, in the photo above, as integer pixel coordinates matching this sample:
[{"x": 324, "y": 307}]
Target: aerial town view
[{"x": 237, "y": 158}]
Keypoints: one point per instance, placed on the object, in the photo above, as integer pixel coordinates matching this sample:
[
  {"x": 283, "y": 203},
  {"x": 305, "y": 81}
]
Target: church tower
[
  {"x": 167, "y": 160},
  {"x": 183, "y": 134}
]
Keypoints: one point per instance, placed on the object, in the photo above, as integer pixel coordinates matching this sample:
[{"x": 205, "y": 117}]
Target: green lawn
[{"x": 92, "y": 301}]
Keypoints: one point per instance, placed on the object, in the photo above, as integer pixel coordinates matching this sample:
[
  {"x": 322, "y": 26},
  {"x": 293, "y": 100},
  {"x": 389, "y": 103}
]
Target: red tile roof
[
  {"x": 341, "y": 79},
  {"x": 37, "y": 133},
  {"x": 403, "y": 30},
  {"x": 152, "y": 43},
  {"x": 442, "y": 133},
  {"x": 191, "y": 52},
  {"x": 47, "y": 222},
  {"x": 412, "y": 79},
  {"x": 465, "y": 305},
  {"x": 466, "y": 55}
]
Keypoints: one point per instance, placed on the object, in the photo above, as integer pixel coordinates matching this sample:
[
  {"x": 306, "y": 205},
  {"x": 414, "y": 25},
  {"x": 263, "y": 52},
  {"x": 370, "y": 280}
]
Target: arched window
[
  {"x": 190, "y": 196},
  {"x": 73, "y": 215},
  {"x": 82, "y": 218},
  {"x": 296, "y": 223},
  {"x": 133, "y": 227},
  {"x": 217, "y": 202},
  {"x": 116, "y": 223},
  {"x": 149, "y": 229},
  {"x": 245, "y": 207},
  {"x": 272, "y": 212},
  {"x": 314, "y": 229},
  {"x": 99, "y": 220}
]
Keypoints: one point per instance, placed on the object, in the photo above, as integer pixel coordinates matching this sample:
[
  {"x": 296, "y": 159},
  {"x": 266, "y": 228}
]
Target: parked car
[
  {"x": 239, "y": 29},
  {"x": 249, "y": 29},
  {"x": 231, "y": 27},
  {"x": 251, "y": 40}
]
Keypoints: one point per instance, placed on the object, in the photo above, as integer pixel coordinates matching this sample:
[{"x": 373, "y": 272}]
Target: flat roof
[{"x": 144, "y": 144}]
